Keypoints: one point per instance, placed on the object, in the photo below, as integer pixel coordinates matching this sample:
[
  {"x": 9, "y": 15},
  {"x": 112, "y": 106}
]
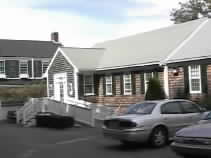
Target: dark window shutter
[
  {"x": 30, "y": 68},
  {"x": 12, "y": 68},
  {"x": 186, "y": 80},
  {"x": 81, "y": 85},
  {"x": 121, "y": 85},
  {"x": 133, "y": 76},
  {"x": 113, "y": 85},
  {"x": 204, "y": 78},
  {"x": 104, "y": 86},
  {"x": 142, "y": 84},
  {"x": 96, "y": 84},
  {"x": 37, "y": 68}
]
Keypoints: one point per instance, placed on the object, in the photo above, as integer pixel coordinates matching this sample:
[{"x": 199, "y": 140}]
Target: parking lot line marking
[{"x": 75, "y": 140}]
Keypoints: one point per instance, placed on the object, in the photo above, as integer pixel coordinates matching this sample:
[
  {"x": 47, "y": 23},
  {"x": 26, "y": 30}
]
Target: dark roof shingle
[{"x": 27, "y": 48}]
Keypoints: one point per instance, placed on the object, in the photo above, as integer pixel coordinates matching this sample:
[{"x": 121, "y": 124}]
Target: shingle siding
[
  {"x": 179, "y": 84},
  {"x": 118, "y": 98},
  {"x": 60, "y": 65},
  {"x": 176, "y": 83}
]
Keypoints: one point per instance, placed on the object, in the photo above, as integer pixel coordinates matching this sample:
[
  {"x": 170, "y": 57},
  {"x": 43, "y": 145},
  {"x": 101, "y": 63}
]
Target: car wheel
[{"x": 159, "y": 137}]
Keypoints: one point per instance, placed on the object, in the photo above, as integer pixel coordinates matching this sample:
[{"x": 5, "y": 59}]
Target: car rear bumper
[
  {"x": 133, "y": 136},
  {"x": 192, "y": 150}
]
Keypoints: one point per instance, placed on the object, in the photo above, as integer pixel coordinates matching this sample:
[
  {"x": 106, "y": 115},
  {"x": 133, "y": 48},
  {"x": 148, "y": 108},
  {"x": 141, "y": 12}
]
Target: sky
[{"x": 82, "y": 23}]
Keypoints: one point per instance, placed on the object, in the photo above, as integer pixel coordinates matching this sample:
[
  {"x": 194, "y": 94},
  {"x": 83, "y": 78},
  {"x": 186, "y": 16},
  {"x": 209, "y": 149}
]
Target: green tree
[
  {"x": 191, "y": 10},
  {"x": 154, "y": 90}
]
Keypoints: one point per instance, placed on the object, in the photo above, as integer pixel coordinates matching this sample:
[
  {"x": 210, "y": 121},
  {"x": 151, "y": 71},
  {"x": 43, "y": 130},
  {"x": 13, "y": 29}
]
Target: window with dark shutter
[
  {"x": 127, "y": 80},
  {"x": 2, "y": 67},
  {"x": 195, "y": 78},
  {"x": 88, "y": 85},
  {"x": 108, "y": 85}
]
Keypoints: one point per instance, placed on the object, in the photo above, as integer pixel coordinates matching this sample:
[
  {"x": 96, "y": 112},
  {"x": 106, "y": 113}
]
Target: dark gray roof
[{"x": 27, "y": 48}]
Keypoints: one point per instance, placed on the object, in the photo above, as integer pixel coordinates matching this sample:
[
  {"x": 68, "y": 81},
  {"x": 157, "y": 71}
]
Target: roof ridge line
[
  {"x": 185, "y": 41},
  {"x": 82, "y": 48}
]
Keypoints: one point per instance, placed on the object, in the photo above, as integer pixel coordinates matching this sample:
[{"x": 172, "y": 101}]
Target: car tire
[{"x": 159, "y": 137}]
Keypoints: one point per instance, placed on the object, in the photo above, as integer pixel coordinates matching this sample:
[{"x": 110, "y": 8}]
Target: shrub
[
  {"x": 23, "y": 93},
  {"x": 154, "y": 90}
]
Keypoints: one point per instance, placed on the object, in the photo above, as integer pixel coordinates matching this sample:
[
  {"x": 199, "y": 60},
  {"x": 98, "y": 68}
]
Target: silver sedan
[{"x": 153, "y": 121}]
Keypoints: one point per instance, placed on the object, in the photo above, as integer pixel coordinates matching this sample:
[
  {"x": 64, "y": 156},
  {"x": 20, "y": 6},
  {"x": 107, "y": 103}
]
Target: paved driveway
[{"x": 18, "y": 142}]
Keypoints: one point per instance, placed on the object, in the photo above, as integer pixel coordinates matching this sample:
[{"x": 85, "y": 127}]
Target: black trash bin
[{"x": 51, "y": 120}]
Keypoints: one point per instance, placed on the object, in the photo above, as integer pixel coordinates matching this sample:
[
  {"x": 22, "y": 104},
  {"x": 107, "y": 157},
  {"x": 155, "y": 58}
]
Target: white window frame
[
  {"x": 145, "y": 80},
  {"x": 125, "y": 82},
  {"x": 190, "y": 80},
  {"x": 4, "y": 66},
  {"x": 92, "y": 84},
  {"x": 27, "y": 68},
  {"x": 43, "y": 63},
  {"x": 108, "y": 83}
]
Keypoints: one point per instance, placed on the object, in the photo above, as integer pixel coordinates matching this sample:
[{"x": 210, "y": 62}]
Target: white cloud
[
  {"x": 25, "y": 23},
  {"x": 19, "y": 21},
  {"x": 157, "y": 7}
]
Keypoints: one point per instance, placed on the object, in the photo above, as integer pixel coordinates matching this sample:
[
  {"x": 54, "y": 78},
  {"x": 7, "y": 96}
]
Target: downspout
[
  {"x": 166, "y": 81},
  {"x": 76, "y": 84}
]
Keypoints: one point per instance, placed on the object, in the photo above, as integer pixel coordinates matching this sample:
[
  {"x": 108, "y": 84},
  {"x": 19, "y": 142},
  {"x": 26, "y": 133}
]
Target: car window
[
  {"x": 171, "y": 108},
  {"x": 141, "y": 108},
  {"x": 208, "y": 117},
  {"x": 189, "y": 107}
]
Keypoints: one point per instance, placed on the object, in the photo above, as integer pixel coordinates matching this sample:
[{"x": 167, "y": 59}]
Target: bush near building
[
  {"x": 154, "y": 90},
  {"x": 23, "y": 93}
]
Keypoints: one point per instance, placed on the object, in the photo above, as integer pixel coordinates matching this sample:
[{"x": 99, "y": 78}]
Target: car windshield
[
  {"x": 208, "y": 116},
  {"x": 141, "y": 108}
]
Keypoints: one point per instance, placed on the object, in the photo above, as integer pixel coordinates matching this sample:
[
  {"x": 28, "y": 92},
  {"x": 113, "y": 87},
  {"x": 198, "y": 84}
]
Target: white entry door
[{"x": 60, "y": 86}]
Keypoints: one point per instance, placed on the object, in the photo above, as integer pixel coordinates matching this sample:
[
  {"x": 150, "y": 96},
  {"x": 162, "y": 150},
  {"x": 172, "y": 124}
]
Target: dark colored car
[
  {"x": 11, "y": 116},
  {"x": 52, "y": 120},
  {"x": 193, "y": 141}
]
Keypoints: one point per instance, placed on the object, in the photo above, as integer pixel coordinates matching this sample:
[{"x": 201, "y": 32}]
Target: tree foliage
[
  {"x": 154, "y": 90},
  {"x": 191, "y": 10}
]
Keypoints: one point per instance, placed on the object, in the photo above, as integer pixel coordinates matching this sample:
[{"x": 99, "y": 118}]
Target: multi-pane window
[
  {"x": 195, "y": 79},
  {"x": 127, "y": 84},
  {"x": 147, "y": 77},
  {"x": 44, "y": 66},
  {"x": 23, "y": 67},
  {"x": 108, "y": 85},
  {"x": 2, "y": 67},
  {"x": 88, "y": 85}
]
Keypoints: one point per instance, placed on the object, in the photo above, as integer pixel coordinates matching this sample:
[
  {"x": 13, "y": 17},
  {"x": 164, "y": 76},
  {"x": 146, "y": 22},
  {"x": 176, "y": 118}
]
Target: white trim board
[
  {"x": 127, "y": 66},
  {"x": 59, "y": 50}
]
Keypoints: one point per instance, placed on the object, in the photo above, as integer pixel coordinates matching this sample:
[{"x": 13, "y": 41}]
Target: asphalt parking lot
[{"x": 18, "y": 142}]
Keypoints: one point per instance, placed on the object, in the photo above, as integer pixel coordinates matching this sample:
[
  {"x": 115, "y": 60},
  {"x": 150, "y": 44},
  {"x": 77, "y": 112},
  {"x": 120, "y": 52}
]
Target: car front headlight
[
  {"x": 205, "y": 141},
  {"x": 178, "y": 139}
]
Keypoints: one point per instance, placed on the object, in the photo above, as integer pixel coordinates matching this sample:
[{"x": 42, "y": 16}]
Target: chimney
[{"x": 55, "y": 36}]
